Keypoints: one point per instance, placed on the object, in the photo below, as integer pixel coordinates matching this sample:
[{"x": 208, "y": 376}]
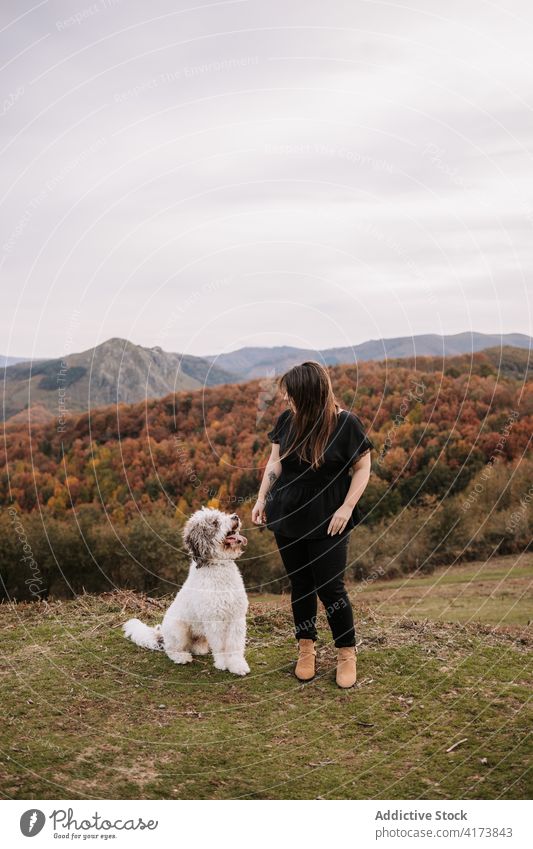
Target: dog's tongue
[{"x": 237, "y": 538}]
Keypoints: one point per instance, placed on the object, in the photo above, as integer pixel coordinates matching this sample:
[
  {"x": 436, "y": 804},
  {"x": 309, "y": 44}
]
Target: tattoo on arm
[
  {"x": 270, "y": 480},
  {"x": 272, "y": 477}
]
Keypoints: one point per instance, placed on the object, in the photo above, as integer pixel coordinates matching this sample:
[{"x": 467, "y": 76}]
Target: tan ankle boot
[
  {"x": 306, "y": 664},
  {"x": 346, "y": 667}
]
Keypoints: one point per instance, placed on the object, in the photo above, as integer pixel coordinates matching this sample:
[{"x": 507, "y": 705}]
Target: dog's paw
[
  {"x": 180, "y": 656},
  {"x": 238, "y": 667},
  {"x": 220, "y": 664}
]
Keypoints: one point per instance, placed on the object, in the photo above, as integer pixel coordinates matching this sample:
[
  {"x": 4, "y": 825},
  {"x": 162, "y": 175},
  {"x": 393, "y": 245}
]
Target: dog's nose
[{"x": 234, "y": 517}]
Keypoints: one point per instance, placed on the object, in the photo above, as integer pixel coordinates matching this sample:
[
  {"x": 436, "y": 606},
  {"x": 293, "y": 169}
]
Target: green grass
[
  {"x": 87, "y": 714},
  {"x": 496, "y": 592}
]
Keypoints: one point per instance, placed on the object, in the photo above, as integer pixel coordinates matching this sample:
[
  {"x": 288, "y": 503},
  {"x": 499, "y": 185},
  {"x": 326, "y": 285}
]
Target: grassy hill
[{"x": 440, "y": 710}]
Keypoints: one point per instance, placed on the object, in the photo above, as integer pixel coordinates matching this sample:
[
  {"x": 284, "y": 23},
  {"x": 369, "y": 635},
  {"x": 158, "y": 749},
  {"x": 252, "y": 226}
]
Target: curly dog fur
[{"x": 209, "y": 612}]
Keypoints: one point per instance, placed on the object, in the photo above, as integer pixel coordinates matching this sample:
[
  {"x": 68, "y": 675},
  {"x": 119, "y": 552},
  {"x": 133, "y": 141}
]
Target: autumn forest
[{"x": 101, "y": 500}]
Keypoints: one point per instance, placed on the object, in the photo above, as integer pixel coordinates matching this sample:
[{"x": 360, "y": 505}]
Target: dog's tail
[{"x": 142, "y": 635}]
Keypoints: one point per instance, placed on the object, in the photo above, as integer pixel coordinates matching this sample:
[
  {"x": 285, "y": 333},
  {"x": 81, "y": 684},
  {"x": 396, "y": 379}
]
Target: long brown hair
[{"x": 308, "y": 387}]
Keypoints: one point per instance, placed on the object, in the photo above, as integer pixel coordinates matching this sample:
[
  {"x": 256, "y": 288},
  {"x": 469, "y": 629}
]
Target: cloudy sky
[{"x": 257, "y": 173}]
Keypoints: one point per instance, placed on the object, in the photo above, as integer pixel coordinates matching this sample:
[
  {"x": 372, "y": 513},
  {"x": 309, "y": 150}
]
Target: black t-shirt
[{"x": 302, "y": 500}]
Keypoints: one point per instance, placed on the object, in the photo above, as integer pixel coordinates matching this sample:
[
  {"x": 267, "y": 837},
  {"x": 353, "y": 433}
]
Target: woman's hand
[
  {"x": 258, "y": 512},
  {"x": 339, "y": 520}
]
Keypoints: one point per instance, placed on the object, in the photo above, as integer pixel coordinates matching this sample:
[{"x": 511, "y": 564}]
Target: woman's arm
[
  {"x": 270, "y": 475},
  {"x": 360, "y": 477}
]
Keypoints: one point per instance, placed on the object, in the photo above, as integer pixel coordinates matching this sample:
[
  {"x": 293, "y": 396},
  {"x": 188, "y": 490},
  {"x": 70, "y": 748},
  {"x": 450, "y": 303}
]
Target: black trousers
[{"x": 316, "y": 569}]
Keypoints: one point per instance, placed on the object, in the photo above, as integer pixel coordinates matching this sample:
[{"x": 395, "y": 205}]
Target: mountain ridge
[
  {"x": 118, "y": 371},
  {"x": 5, "y": 361},
  {"x": 253, "y": 362}
]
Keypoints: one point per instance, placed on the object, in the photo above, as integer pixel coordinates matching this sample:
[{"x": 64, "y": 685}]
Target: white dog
[{"x": 209, "y": 612}]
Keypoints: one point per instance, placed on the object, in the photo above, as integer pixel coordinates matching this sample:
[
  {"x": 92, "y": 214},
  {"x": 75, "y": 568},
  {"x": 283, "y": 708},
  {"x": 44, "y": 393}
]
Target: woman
[{"x": 318, "y": 469}]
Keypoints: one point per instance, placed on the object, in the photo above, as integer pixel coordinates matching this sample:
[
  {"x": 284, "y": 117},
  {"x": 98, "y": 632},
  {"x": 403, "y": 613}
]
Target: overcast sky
[{"x": 258, "y": 173}]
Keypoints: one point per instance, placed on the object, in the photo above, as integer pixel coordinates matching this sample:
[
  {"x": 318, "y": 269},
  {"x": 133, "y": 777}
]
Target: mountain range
[
  {"x": 10, "y": 361},
  {"x": 119, "y": 371},
  {"x": 249, "y": 363},
  {"x": 116, "y": 371}
]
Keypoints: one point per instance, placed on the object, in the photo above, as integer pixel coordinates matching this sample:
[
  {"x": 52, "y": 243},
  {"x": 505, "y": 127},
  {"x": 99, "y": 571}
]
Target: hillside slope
[{"x": 192, "y": 446}]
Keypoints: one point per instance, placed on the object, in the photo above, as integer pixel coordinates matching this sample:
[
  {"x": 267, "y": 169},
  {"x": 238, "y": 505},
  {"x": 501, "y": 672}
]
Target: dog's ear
[
  {"x": 194, "y": 540},
  {"x": 198, "y": 535}
]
